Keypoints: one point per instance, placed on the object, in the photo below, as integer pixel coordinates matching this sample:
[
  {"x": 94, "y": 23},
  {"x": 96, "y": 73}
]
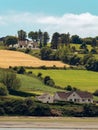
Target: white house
[
  {"x": 74, "y": 96},
  {"x": 26, "y": 44},
  {"x": 45, "y": 98}
]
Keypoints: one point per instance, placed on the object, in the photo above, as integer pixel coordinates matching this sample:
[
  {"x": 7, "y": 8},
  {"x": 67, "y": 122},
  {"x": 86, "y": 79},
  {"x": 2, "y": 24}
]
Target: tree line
[{"x": 56, "y": 40}]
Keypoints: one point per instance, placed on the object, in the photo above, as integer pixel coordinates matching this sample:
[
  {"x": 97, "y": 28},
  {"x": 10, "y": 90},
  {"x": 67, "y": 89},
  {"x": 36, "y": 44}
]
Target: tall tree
[
  {"x": 65, "y": 38},
  {"x": 55, "y": 40},
  {"x": 33, "y": 35},
  {"x": 94, "y": 43},
  {"x": 22, "y": 35},
  {"x": 10, "y": 40},
  {"x": 40, "y": 37},
  {"x": 45, "y": 38}
]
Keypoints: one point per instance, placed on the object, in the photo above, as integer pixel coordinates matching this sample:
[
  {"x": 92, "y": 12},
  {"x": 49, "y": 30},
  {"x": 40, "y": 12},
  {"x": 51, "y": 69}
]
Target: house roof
[
  {"x": 82, "y": 94},
  {"x": 64, "y": 94},
  {"x": 43, "y": 96}
]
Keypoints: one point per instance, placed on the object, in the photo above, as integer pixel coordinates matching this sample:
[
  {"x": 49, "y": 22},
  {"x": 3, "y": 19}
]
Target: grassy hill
[
  {"x": 82, "y": 79},
  {"x": 34, "y": 85},
  {"x": 14, "y": 58}
]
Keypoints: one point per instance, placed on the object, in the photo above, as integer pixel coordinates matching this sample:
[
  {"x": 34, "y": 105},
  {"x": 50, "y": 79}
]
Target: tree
[
  {"x": 45, "y": 38},
  {"x": 65, "y": 38},
  {"x": 10, "y": 80},
  {"x": 55, "y": 40},
  {"x": 40, "y": 37},
  {"x": 33, "y": 35},
  {"x": 76, "y": 39},
  {"x": 68, "y": 88},
  {"x": 11, "y": 40},
  {"x": 21, "y": 70},
  {"x": 22, "y": 35},
  {"x": 45, "y": 53},
  {"x": 3, "y": 90},
  {"x": 94, "y": 43}
]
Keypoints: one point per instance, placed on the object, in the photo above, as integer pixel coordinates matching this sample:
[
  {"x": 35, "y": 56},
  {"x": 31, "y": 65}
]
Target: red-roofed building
[{"x": 74, "y": 96}]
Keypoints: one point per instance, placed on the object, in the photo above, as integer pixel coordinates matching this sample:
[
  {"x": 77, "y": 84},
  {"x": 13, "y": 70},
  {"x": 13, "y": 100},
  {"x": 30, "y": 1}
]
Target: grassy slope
[
  {"x": 33, "y": 85},
  {"x": 77, "y": 46},
  {"x": 84, "y": 80}
]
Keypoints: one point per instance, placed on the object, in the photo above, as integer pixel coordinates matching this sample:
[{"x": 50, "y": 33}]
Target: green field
[
  {"x": 33, "y": 85},
  {"x": 77, "y": 46},
  {"x": 82, "y": 79}
]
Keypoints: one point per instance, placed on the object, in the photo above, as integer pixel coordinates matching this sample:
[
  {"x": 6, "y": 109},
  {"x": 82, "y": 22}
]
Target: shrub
[
  {"x": 21, "y": 70},
  {"x": 68, "y": 88},
  {"x": 9, "y": 79},
  {"x": 3, "y": 90},
  {"x": 96, "y": 93}
]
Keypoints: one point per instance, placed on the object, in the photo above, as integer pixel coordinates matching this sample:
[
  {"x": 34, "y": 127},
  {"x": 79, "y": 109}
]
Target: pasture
[
  {"x": 34, "y": 85},
  {"x": 81, "y": 79}
]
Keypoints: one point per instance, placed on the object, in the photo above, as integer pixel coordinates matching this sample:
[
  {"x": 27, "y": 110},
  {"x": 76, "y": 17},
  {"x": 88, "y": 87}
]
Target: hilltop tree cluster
[{"x": 57, "y": 39}]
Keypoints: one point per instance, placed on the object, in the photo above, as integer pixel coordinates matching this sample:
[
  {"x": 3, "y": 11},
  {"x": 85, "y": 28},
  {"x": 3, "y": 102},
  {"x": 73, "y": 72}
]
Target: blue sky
[{"x": 73, "y": 16}]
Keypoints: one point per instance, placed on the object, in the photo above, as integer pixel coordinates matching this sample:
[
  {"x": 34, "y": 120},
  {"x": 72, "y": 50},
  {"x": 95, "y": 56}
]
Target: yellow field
[{"x": 14, "y": 58}]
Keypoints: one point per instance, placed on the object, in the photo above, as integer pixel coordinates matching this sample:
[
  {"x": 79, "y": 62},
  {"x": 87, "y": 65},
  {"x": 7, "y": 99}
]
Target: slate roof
[
  {"x": 43, "y": 96},
  {"x": 82, "y": 94}
]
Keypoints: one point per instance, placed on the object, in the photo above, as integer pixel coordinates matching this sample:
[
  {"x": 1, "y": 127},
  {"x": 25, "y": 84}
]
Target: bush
[
  {"x": 95, "y": 93},
  {"x": 21, "y": 70},
  {"x": 27, "y": 51},
  {"x": 3, "y": 90},
  {"x": 9, "y": 79},
  {"x": 68, "y": 88}
]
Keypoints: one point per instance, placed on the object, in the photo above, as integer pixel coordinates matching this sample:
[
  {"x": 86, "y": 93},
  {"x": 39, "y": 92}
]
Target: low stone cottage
[{"x": 45, "y": 98}]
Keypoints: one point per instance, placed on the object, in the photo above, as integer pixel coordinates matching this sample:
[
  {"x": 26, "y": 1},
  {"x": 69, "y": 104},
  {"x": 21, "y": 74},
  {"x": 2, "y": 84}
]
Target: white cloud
[{"x": 84, "y": 24}]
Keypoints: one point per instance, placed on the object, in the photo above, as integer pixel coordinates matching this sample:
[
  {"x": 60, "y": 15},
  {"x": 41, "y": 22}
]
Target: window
[
  {"x": 89, "y": 100},
  {"x": 83, "y": 100},
  {"x": 48, "y": 97}
]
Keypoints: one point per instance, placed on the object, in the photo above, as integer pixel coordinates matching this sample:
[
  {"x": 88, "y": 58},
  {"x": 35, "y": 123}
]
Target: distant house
[
  {"x": 26, "y": 44},
  {"x": 45, "y": 98},
  {"x": 74, "y": 96}
]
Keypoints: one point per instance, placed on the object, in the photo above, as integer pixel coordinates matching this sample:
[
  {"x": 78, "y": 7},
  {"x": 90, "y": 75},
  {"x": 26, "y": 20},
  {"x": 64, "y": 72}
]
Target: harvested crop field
[{"x": 14, "y": 58}]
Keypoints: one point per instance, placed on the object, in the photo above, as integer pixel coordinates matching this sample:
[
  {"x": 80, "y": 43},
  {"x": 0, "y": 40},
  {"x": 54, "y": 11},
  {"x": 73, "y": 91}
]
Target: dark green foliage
[
  {"x": 42, "y": 110},
  {"x": 33, "y": 35},
  {"x": 93, "y": 51},
  {"x": 3, "y": 90},
  {"x": 20, "y": 93},
  {"x": 90, "y": 110},
  {"x": 45, "y": 38},
  {"x": 10, "y": 40},
  {"x": 22, "y": 35},
  {"x": 39, "y": 75},
  {"x": 76, "y": 39},
  {"x": 69, "y": 88},
  {"x": 45, "y": 53},
  {"x": 55, "y": 40},
  {"x": 95, "y": 93},
  {"x": 10, "y": 80},
  {"x": 27, "y": 51},
  {"x": 21, "y": 70},
  {"x": 48, "y": 81}
]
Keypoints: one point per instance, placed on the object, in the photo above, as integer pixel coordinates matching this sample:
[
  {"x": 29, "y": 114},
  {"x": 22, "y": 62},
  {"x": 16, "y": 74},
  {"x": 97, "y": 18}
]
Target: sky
[{"x": 74, "y": 16}]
